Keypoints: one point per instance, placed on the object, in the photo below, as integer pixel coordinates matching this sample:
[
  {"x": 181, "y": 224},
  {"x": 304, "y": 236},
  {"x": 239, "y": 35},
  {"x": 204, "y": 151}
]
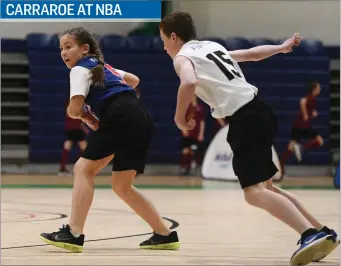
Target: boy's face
[{"x": 171, "y": 43}]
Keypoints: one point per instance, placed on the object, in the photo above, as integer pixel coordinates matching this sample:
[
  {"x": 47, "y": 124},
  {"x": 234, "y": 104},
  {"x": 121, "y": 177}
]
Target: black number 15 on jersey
[{"x": 219, "y": 60}]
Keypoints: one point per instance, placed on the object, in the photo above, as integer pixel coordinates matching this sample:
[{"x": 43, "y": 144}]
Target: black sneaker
[
  {"x": 170, "y": 242},
  {"x": 64, "y": 239},
  {"x": 335, "y": 239}
]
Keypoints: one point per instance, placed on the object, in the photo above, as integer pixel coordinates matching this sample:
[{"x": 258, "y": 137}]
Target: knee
[
  {"x": 121, "y": 190},
  {"x": 80, "y": 169},
  {"x": 291, "y": 145},
  {"x": 67, "y": 145},
  {"x": 82, "y": 145},
  {"x": 319, "y": 139},
  {"x": 254, "y": 194}
]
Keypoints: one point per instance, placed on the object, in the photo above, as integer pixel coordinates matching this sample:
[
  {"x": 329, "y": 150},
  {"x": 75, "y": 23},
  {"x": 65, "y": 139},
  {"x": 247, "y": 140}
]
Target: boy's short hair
[{"x": 181, "y": 23}]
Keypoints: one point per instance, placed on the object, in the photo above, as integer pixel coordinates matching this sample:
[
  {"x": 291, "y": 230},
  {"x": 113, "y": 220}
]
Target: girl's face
[{"x": 70, "y": 51}]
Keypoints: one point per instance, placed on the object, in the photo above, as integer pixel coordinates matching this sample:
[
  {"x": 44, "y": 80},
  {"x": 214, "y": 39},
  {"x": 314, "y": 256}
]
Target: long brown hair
[{"x": 82, "y": 36}]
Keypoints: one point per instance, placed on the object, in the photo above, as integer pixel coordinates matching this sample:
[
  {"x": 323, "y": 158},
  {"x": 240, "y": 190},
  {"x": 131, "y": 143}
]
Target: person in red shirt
[
  {"x": 302, "y": 128},
  {"x": 75, "y": 131},
  {"x": 192, "y": 140}
]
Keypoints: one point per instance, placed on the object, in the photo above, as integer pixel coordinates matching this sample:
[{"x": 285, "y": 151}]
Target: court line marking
[
  {"x": 98, "y": 186},
  {"x": 64, "y": 205},
  {"x": 174, "y": 225},
  {"x": 59, "y": 216},
  {"x": 172, "y": 187}
]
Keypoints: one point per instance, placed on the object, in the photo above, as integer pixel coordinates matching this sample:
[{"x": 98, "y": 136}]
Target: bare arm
[
  {"x": 184, "y": 133},
  {"x": 264, "y": 51},
  {"x": 221, "y": 122},
  {"x": 303, "y": 105},
  {"x": 131, "y": 79},
  {"x": 315, "y": 113},
  {"x": 201, "y": 131},
  {"x": 78, "y": 110},
  {"x": 256, "y": 53},
  {"x": 185, "y": 70},
  {"x": 79, "y": 88},
  {"x": 75, "y": 107}
]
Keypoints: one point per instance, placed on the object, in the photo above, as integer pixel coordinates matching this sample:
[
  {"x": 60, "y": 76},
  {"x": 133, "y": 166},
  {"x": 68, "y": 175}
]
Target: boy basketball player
[{"x": 212, "y": 73}]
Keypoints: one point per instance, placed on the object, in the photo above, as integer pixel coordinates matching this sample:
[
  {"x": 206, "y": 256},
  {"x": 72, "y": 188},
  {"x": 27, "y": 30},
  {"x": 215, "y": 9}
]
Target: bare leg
[
  {"x": 298, "y": 205},
  {"x": 82, "y": 145},
  {"x": 277, "y": 205},
  {"x": 185, "y": 160},
  {"x": 83, "y": 190},
  {"x": 65, "y": 154},
  {"x": 313, "y": 143},
  {"x": 122, "y": 185}
]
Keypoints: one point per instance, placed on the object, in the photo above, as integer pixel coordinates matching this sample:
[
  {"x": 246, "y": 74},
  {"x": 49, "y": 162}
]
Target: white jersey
[{"x": 220, "y": 81}]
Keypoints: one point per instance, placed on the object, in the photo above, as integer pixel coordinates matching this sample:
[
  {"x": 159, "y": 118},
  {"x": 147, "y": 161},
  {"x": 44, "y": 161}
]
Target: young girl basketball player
[
  {"x": 122, "y": 133},
  {"x": 211, "y": 72}
]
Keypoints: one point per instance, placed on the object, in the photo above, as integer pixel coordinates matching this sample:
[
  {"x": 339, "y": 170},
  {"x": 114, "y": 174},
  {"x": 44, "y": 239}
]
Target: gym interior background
[
  {"x": 33, "y": 96},
  {"x": 212, "y": 218}
]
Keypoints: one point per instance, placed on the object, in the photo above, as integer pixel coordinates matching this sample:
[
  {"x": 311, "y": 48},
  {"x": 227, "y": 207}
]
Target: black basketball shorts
[
  {"x": 74, "y": 135},
  {"x": 125, "y": 130},
  {"x": 189, "y": 143},
  {"x": 303, "y": 133},
  {"x": 251, "y": 133}
]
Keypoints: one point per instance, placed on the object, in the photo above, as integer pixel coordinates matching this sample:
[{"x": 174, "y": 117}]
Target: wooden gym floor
[{"x": 215, "y": 225}]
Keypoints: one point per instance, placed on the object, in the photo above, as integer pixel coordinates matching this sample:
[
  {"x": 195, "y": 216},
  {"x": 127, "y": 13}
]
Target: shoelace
[
  {"x": 63, "y": 229},
  {"x": 154, "y": 237},
  {"x": 330, "y": 232},
  {"x": 300, "y": 241}
]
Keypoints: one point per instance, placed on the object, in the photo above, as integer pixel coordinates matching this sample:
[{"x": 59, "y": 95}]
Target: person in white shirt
[{"x": 207, "y": 69}]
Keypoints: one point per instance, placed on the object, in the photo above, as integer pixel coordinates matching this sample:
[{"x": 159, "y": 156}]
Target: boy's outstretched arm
[{"x": 264, "y": 51}]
